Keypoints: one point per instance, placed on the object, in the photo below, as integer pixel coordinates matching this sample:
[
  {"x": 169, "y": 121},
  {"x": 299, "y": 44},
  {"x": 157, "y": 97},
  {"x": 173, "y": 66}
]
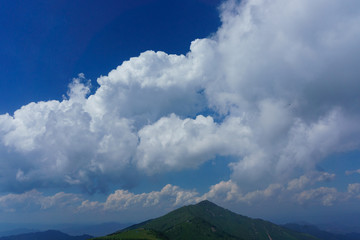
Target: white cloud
[
  {"x": 171, "y": 197},
  {"x": 228, "y": 192},
  {"x": 354, "y": 189},
  {"x": 33, "y": 200},
  {"x": 56, "y": 144},
  {"x": 327, "y": 196},
  {"x": 273, "y": 190},
  {"x": 148, "y": 87},
  {"x": 223, "y": 191},
  {"x": 310, "y": 179},
  {"x": 168, "y": 197},
  {"x": 349, "y": 172},
  {"x": 174, "y": 144},
  {"x": 296, "y": 189},
  {"x": 279, "y": 80},
  {"x": 310, "y": 143}
]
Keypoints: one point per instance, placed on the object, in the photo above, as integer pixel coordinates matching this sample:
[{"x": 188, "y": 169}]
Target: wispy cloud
[{"x": 350, "y": 172}]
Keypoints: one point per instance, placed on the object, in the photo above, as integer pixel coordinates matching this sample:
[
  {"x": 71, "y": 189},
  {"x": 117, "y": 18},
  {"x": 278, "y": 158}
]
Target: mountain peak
[
  {"x": 206, "y": 202},
  {"x": 206, "y": 220}
]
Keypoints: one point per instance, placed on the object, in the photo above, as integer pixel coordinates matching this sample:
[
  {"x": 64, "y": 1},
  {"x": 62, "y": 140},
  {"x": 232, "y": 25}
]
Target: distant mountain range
[
  {"x": 323, "y": 235},
  {"x": 72, "y": 229},
  {"x": 91, "y": 229},
  {"x": 202, "y": 221},
  {"x": 17, "y": 231},
  {"x": 46, "y": 235}
]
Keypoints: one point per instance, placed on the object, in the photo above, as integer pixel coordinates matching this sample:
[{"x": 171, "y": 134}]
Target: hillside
[
  {"x": 46, "y": 235},
  {"x": 206, "y": 220},
  {"x": 323, "y": 235}
]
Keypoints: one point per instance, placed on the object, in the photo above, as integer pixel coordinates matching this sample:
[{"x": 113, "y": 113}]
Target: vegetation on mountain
[
  {"x": 136, "y": 234},
  {"x": 206, "y": 220}
]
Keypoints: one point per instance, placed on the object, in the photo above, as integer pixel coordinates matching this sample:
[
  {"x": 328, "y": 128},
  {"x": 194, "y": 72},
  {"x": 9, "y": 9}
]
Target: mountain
[
  {"x": 351, "y": 225},
  {"x": 47, "y": 235},
  {"x": 73, "y": 229},
  {"x": 91, "y": 229},
  {"x": 17, "y": 231},
  {"x": 323, "y": 235},
  {"x": 206, "y": 220}
]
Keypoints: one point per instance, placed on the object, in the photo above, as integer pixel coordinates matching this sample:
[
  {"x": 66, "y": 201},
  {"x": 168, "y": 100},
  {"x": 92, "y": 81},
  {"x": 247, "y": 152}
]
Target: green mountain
[{"x": 206, "y": 220}]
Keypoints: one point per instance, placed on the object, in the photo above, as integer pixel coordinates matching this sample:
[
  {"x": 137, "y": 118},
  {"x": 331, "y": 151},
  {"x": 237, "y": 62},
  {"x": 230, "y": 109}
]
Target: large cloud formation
[{"x": 276, "y": 87}]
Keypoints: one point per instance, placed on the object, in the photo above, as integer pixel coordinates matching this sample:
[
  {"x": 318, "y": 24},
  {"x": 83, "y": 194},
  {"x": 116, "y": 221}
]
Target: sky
[{"x": 125, "y": 110}]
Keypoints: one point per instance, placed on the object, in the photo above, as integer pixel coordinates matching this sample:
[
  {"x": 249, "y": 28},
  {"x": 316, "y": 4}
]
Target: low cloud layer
[
  {"x": 305, "y": 191},
  {"x": 276, "y": 88},
  {"x": 33, "y": 199}
]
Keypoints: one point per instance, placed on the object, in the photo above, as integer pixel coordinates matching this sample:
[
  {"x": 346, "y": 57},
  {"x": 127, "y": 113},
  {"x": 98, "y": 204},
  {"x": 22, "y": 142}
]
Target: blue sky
[
  {"x": 114, "y": 110},
  {"x": 46, "y": 44}
]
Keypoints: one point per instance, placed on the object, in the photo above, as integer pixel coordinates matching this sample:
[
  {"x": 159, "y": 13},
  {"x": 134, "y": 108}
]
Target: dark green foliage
[
  {"x": 139, "y": 234},
  {"x": 206, "y": 220}
]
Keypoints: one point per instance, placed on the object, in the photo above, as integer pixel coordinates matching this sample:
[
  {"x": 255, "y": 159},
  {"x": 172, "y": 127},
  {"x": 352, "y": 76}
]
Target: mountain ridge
[
  {"x": 207, "y": 220},
  {"x": 46, "y": 235}
]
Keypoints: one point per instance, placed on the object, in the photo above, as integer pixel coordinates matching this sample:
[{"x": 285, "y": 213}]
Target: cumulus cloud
[
  {"x": 168, "y": 197},
  {"x": 172, "y": 143},
  {"x": 229, "y": 191},
  {"x": 297, "y": 190},
  {"x": 33, "y": 199},
  {"x": 323, "y": 194},
  {"x": 171, "y": 197},
  {"x": 276, "y": 88},
  {"x": 225, "y": 192},
  {"x": 309, "y": 179},
  {"x": 54, "y": 143}
]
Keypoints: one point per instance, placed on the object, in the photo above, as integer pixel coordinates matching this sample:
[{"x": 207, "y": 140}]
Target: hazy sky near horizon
[{"x": 124, "y": 110}]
